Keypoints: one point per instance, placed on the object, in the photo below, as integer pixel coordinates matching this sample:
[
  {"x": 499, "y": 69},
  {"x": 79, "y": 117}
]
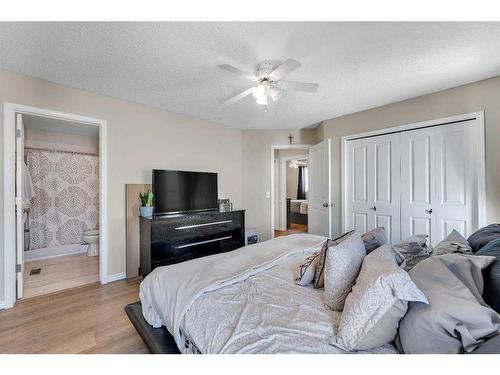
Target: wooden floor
[
  {"x": 88, "y": 319},
  {"x": 294, "y": 228},
  {"x": 60, "y": 273}
]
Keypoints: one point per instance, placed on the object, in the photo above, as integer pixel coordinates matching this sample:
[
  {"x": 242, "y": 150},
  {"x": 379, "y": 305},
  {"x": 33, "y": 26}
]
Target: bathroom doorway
[{"x": 58, "y": 205}]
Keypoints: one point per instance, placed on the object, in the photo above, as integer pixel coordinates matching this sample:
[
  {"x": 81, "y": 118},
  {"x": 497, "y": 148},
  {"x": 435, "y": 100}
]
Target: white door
[
  {"x": 418, "y": 183},
  {"x": 372, "y": 196},
  {"x": 277, "y": 197},
  {"x": 19, "y": 205},
  {"x": 319, "y": 195},
  {"x": 439, "y": 187}
]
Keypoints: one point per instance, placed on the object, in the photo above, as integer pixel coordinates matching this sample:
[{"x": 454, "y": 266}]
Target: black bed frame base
[{"x": 158, "y": 340}]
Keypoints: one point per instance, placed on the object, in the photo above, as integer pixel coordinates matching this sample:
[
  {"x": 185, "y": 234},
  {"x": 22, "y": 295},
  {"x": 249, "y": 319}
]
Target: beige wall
[
  {"x": 257, "y": 172},
  {"x": 140, "y": 138},
  {"x": 478, "y": 96},
  {"x": 61, "y": 141}
]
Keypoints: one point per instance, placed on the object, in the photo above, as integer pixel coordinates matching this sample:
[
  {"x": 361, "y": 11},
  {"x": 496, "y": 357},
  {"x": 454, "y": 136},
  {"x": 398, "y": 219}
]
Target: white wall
[
  {"x": 478, "y": 96},
  {"x": 257, "y": 172},
  {"x": 140, "y": 138}
]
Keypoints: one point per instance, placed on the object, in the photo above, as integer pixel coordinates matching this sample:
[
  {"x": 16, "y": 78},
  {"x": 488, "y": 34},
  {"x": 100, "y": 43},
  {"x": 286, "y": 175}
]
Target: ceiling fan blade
[
  {"x": 240, "y": 96},
  {"x": 235, "y": 70},
  {"x": 285, "y": 68},
  {"x": 298, "y": 86}
]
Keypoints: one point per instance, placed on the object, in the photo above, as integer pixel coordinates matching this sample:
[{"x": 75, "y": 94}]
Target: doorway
[
  {"x": 54, "y": 202},
  {"x": 300, "y": 189}
]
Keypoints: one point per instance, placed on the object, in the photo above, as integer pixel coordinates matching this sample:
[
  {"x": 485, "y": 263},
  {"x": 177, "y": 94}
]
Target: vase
[{"x": 146, "y": 211}]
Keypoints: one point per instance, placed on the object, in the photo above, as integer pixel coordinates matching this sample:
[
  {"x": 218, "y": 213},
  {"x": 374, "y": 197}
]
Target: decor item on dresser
[
  {"x": 342, "y": 264},
  {"x": 483, "y": 236},
  {"x": 146, "y": 209},
  {"x": 172, "y": 239},
  {"x": 225, "y": 205},
  {"x": 453, "y": 243},
  {"x": 457, "y": 319},
  {"x": 377, "y": 302}
]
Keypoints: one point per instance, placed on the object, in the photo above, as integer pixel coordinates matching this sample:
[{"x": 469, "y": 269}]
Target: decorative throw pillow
[
  {"x": 453, "y": 243},
  {"x": 484, "y": 236},
  {"x": 491, "y": 275},
  {"x": 414, "y": 249},
  {"x": 377, "y": 302},
  {"x": 307, "y": 270},
  {"x": 456, "y": 320},
  {"x": 374, "y": 239},
  {"x": 342, "y": 265},
  {"x": 319, "y": 280}
]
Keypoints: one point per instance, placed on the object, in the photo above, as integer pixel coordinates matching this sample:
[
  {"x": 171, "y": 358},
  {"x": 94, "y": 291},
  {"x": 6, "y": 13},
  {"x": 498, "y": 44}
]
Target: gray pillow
[
  {"x": 319, "y": 279},
  {"x": 378, "y": 301},
  {"x": 342, "y": 265},
  {"x": 483, "y": 236},
  {"x": 491, "y": 274},
  {"x": 456, "y": 320},
  {"x": 374, "y": 239},
  {"x": 454, "y": 243},
  {"x": 414, "y": 249}
]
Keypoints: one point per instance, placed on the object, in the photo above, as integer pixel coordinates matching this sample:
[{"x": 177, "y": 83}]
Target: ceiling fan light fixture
[
  {"x": 275, "y": 93},
  {"x": 259, "y": 91},
  {"x": 262, "y": 100}
]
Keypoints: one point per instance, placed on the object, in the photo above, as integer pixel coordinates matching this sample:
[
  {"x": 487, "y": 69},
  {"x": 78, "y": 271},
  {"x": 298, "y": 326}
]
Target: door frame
[
  {"x": 273, "y": 198},
  {"x": 480, "y": 155},
  {"x": 282, "y": 181},
  {"x": 9, "y": 226}
]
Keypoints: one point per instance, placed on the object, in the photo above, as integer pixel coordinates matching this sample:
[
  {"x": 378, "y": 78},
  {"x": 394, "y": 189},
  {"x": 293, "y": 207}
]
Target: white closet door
[
  {"x": 456, "y": 194},
  {"x": 418, "y": 183},
  {"x": 319, "y": 194},
  {"x": 372, "y": 197},
  {"x": 439, "y": 181}
]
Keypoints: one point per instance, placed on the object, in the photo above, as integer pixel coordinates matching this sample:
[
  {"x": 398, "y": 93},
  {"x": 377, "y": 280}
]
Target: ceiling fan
[{"x": 269, "y": 82}]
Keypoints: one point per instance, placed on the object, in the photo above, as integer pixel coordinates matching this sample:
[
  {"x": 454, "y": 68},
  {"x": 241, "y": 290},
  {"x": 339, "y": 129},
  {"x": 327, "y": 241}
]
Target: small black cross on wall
[{"x": 290, "y": 138}]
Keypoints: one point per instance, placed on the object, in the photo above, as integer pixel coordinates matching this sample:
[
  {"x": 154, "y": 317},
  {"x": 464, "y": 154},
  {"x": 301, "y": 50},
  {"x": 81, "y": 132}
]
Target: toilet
[{"x": 91, "y": 238}]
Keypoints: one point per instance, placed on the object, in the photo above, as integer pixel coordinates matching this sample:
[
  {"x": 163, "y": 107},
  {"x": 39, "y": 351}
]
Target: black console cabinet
[{"x": 176, "y": 238}]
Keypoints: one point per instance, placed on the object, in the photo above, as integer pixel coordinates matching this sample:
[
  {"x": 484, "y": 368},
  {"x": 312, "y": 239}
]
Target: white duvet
[{"x": 244, "y": 301}]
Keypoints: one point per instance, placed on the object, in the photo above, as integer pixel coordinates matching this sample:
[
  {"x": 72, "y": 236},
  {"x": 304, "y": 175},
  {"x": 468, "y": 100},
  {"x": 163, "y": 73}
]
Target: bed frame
[{"x": 158, "y": 340}]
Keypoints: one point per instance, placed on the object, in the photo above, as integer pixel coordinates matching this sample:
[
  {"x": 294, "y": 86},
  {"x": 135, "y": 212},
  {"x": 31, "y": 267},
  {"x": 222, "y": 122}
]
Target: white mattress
[{"x": 267, "y": 313}]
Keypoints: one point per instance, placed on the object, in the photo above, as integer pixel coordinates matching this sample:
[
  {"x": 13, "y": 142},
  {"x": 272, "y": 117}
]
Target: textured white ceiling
[{"x": 174, "y": 66}]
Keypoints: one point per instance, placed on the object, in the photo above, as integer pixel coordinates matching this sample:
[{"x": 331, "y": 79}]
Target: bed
[
  {"x": 297, "y": 210},
  {"x": 245, "y": 301}
]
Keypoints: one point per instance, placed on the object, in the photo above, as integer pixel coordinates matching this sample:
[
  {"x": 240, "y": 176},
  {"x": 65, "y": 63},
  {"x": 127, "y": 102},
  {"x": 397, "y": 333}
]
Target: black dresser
[{"x": 176, "y": 238}]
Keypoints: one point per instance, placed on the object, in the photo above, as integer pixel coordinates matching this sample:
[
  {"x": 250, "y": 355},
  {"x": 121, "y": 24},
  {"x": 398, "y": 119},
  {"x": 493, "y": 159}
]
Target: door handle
[
  {"x": 429, "y": 211},
  {"x": 374, "y": 208},
  {"x": 325, "y": 205}
]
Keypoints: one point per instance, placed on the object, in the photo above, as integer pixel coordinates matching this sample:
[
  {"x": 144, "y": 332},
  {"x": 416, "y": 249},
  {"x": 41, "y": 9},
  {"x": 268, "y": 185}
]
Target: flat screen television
[{"x": 181, "y": 192}]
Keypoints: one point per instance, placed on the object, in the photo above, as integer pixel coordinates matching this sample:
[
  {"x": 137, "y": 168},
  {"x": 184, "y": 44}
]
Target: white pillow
[
  {"x": 378, "y": 301},
  {"x": 342, "y": 264},
  {"x": 307, "y": 270}
]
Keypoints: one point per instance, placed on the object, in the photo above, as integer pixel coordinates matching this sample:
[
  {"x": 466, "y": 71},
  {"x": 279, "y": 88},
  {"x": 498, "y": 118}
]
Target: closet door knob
[
  {"x": 325, "y": 204},
  {"x": 429, "y": 211},
  {"x": 374, "y": 208}
]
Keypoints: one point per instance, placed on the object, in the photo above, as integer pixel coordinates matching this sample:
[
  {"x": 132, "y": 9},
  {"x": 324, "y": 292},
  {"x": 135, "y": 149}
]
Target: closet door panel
[
  {"x": 385, "y": 166},
  {"x": 417, "y": 181},
  {"x": 357, "y": 197},
  {"x": 455, "y": 185}
]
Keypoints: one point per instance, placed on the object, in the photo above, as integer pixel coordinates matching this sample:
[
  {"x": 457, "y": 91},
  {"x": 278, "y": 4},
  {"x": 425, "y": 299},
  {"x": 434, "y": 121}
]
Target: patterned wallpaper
[{"x": 66, "y": 197}]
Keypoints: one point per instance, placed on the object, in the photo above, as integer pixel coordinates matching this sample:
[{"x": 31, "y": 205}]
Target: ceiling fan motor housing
[{"x": 264, "y": 69}]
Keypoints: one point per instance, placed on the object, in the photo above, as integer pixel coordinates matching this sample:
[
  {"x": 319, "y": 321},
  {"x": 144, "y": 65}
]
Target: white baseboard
[{"x": 116, "y": 277}]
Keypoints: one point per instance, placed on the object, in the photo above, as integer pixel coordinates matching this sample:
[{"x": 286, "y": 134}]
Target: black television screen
[{"x": 179, "y": 191}]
